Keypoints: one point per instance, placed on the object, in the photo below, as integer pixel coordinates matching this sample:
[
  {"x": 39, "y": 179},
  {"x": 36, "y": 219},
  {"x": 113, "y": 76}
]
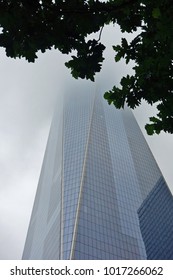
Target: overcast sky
[{"x": 28, "y": 94}]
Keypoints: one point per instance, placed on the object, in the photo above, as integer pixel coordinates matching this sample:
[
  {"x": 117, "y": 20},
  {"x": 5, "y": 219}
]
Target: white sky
[{"x": 28, "y": 94}]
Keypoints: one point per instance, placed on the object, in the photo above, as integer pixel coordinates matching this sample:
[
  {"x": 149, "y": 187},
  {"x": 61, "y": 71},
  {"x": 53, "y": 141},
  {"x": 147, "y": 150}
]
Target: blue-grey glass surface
[
  {"x": 43, "y": 239},
  {"x": 156, "y": 222},
  {"x": 97, "y": 172},
  {"x": 77, "y": 117}
]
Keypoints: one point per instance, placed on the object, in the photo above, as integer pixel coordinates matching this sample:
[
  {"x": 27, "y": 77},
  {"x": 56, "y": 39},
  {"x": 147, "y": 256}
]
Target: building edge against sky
[{"x": 97, "y": 172}]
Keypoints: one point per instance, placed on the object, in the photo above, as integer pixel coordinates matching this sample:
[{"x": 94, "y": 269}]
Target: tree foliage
[{"x": 28, "y": 26}]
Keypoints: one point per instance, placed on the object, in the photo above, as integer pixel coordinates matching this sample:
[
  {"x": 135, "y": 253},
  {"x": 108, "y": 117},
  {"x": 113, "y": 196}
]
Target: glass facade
[
  {"x": 97, "y": 172},
  {"x": 157, "y": 230}
]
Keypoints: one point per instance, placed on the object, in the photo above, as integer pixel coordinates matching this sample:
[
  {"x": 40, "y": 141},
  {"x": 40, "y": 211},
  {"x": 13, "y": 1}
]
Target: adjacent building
[
  {"x": 156, "y": 223},
  {"x": 97, "y": 172}
]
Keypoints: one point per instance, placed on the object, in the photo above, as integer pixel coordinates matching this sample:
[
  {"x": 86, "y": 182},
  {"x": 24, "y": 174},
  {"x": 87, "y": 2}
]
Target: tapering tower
[{"x": 96, "y": 173}]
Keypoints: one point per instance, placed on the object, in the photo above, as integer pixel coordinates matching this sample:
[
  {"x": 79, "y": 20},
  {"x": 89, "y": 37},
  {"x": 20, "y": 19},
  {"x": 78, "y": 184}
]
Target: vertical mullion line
[
  {"x": 81, "y": 184},
  {"x": 62, "y": 187}
]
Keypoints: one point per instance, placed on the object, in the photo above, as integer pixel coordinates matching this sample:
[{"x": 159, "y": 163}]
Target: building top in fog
[{"x": 96, "y": 173}]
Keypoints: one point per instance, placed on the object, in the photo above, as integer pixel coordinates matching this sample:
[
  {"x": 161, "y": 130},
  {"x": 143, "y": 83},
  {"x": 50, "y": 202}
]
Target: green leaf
[
  {"x": 118, "y": 57},
  {"x": 156, "y": 13},
  {"x": 150, "y": 129},
  {"x": 154, "y": 119}
]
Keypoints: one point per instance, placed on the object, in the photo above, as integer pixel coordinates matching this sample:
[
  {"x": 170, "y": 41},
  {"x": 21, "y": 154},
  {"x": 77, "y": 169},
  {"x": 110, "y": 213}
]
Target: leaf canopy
[{"x": 28, "y": 26}]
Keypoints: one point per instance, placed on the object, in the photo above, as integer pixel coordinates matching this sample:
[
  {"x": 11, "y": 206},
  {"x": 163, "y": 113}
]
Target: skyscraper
[{"x": 96, "y": 173}]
